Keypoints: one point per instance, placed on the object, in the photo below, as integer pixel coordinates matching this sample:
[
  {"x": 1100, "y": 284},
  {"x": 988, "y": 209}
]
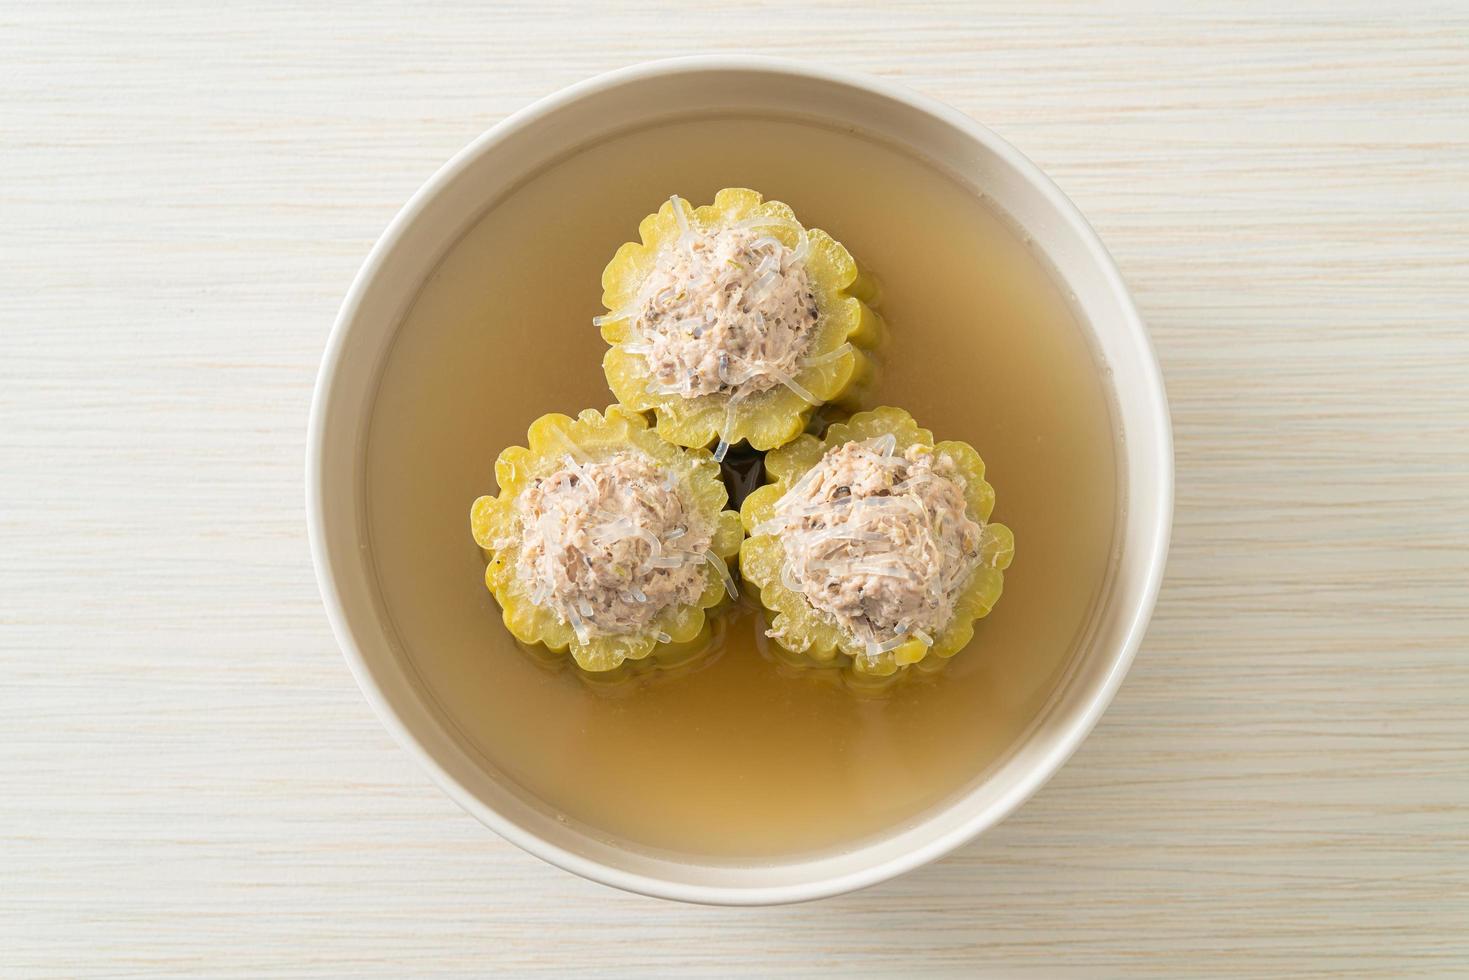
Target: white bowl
[{"x": 454, "y": 198}]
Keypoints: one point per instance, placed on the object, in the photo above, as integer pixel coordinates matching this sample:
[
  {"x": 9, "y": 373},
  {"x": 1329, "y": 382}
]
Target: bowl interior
[{"x": 388, "y": 382}]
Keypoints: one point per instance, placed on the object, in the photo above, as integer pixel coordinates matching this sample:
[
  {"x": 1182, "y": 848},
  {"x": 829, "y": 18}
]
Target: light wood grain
[{"x": 192, "y": 783}]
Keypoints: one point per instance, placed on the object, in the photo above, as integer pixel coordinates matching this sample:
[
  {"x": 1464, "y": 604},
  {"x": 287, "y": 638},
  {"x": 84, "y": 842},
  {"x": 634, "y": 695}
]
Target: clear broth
[{"x": 740, "y": 758}]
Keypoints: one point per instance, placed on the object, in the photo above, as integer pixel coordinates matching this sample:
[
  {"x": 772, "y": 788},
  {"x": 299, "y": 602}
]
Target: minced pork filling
[
  {"x": 610, "y": 543},
  {"x": 724, "y": 312},
  {"x": 878, "y": 541}
]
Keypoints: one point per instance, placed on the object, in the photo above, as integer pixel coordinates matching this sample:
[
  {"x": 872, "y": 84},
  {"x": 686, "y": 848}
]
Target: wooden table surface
[{"x": 192, "y": 782}]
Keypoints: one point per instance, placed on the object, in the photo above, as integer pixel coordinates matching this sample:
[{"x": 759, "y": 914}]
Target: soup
[{"x": 738, "y": 756}]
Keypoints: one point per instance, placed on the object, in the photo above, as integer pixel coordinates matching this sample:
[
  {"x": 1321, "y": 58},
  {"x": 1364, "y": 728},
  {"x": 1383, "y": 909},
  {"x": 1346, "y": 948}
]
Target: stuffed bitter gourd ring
[
  {"x": 732, "y": 321},
  {"x": 872, "y": 547},
  {"x": 605, "y": 539}
]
